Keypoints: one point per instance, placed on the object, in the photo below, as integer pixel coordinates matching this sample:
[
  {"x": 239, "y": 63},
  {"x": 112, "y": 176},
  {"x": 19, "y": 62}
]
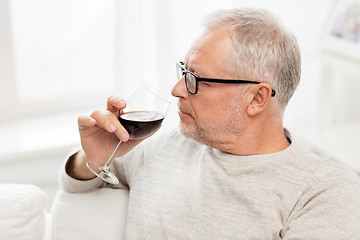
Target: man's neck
[{"x": 256, "y": 141}]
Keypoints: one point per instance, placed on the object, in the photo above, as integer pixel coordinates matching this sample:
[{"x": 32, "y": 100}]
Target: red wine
[{"x": 141, "y": 124}]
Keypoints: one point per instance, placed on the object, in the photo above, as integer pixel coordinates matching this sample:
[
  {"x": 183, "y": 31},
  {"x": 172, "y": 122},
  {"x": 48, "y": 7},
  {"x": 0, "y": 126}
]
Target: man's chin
[
  {"x": 212, "y": 137},
  {"x": 195, "y": 133},
  {"x": 190, "y": 132},
  {"x": 186, "y": 130}
]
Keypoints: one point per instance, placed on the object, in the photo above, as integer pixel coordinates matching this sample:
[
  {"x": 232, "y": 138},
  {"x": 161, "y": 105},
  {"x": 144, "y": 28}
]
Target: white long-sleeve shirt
[{"x": 180, "y": 189}]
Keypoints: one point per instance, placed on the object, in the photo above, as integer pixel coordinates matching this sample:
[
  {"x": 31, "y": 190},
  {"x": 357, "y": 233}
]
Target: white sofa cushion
[
  {"x": 22, "y": 212},
  {"x": 100, "y": 214}
]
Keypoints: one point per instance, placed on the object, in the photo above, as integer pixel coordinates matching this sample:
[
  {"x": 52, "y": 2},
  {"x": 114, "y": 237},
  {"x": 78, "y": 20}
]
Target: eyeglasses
[{"x": 192, "y": 81}]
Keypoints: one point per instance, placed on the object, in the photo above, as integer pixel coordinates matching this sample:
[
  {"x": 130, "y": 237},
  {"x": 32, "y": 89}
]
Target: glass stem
[{"x": 113, "y": 154}]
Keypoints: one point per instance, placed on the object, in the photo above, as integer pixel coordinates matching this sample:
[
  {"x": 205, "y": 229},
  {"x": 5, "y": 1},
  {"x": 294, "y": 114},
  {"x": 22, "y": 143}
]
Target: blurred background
[{"x": 63, "y": 58}]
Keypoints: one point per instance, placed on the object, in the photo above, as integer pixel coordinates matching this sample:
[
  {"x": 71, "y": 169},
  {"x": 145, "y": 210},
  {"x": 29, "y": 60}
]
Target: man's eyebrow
[{"x": 195, "y": 70}]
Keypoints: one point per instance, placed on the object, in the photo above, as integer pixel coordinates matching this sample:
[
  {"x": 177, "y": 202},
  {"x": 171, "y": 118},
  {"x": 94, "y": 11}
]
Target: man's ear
[{"x": 260, "y": 99}]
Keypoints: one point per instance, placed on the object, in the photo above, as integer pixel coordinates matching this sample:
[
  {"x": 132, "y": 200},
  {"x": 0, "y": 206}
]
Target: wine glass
[{"x": 145, "y": 110}]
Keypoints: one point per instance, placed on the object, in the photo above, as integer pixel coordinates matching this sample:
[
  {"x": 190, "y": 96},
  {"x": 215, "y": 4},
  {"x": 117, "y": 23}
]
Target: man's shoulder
[{"x": 323, "y": 168}]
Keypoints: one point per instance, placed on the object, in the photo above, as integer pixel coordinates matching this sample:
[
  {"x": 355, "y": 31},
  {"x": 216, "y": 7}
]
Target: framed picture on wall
[{"x": 342, "y": 30}]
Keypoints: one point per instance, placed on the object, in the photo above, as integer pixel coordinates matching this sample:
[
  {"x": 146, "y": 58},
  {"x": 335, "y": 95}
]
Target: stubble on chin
[
  {"x": 207, "y": 135},
  {"x": 216, "y": 134}
]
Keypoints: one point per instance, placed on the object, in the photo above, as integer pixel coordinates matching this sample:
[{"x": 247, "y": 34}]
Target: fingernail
[
  {"x": 122, "y": 103},
  {"x": 92, "y": 121},
  {"x": 125, "y": 137}
]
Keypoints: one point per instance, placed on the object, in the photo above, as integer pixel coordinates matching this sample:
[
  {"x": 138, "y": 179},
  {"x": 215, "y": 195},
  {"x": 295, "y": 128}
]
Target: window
[{"x": 59, "y": 51}]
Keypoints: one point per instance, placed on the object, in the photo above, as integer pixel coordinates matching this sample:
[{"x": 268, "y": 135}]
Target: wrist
[{"x": 76, "y": 167}]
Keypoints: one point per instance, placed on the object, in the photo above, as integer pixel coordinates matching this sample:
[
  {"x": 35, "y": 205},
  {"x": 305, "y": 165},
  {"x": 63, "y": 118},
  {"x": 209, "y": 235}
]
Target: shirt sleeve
[
  {"x": 73, "y": 185},
  {"x": 329, "y": 209}
]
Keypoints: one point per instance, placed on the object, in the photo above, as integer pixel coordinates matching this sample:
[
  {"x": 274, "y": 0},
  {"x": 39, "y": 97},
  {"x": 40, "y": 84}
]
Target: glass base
[{"x": 104, "y": 174}]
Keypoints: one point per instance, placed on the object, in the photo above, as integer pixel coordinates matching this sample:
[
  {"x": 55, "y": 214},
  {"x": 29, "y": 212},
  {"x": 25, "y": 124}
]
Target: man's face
[{"x": 213, "y": 115}]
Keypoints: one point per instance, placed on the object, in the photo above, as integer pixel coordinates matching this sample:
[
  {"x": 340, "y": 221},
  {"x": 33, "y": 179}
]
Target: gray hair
[{"x": 262, "y": 49}]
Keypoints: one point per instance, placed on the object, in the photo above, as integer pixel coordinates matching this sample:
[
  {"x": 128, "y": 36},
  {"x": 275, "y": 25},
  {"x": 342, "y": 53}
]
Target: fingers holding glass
[
  {"x": 108, "y": 121},
  {"x": 116, "y": 104},
  {"x": 85, "y": 122},
  {"x": 145, "y": 109}
]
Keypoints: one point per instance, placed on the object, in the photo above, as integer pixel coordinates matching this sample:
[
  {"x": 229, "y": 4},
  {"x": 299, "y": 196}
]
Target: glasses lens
[
  {"x": 190, "y": 82},
  {"x": 179, "y": 71}
]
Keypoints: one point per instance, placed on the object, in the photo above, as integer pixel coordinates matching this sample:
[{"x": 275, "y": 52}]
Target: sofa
[{"x": 95, "y": 215}]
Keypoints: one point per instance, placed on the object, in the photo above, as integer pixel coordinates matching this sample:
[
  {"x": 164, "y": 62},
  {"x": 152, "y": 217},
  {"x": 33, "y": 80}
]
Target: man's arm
[
  {"x": 99, "y": 133},
  {"x": 71, "y": 181},
  {"x": 76, "y": 167}
]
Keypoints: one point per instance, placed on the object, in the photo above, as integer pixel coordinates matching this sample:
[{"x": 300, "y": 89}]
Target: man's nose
[{"x": 179, "y": 90}]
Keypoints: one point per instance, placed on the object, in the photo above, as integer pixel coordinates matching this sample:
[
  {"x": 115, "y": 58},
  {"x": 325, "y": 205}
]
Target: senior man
[{"x": 232, "y": 171}]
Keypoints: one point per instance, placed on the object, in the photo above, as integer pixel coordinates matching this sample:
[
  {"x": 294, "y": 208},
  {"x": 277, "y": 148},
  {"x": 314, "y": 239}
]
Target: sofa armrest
[
  {"x": 22, "y": 212},
  {"x": 100, "y": 214}
]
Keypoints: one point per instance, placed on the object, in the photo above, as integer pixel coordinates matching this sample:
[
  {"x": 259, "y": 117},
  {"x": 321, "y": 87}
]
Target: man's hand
[{"x": 100, "y": 133}]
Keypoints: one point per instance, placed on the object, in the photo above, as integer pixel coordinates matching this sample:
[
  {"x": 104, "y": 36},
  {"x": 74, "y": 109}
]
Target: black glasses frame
[{"x": 181, "y": 66}]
